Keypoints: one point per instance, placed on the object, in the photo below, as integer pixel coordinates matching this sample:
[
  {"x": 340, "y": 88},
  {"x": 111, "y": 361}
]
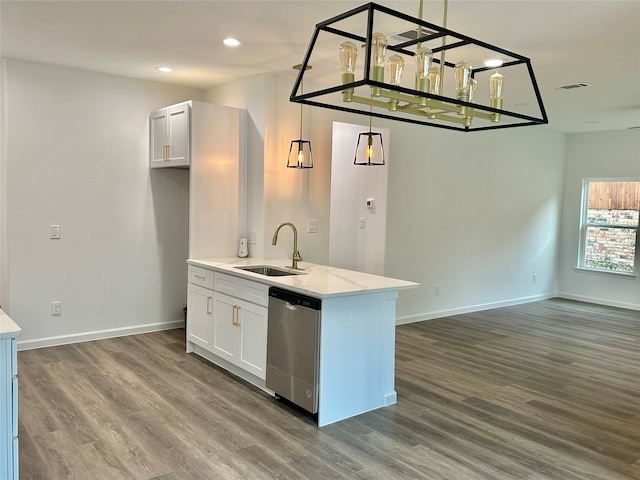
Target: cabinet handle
[
  {"x": 199, "y": 277},
  {"x": 165, "y": 152},
  {"x": 209, "y": 305},
  {"x": 235, "y": 316}
]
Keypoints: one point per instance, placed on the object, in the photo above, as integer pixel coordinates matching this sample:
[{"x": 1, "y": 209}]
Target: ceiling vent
[
  {"x": 573, "y": 86},
  {"x": 410, "y": 34}
]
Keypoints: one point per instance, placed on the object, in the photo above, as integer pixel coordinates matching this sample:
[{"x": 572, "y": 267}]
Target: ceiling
[{"x": 568, "y": 42}]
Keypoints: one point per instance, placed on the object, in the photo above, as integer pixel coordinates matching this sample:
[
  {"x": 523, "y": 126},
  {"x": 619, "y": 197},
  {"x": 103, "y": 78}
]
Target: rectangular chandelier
[{"x": 390, "y": 65}]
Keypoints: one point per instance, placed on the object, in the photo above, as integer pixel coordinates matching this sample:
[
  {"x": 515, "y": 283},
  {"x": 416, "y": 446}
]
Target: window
[{"x": 609, "y": 226}]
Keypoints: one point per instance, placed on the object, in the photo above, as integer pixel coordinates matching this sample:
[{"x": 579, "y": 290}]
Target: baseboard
[
  {"x": 599, "y": 301},
  {"x": 98, "y": 335},
  {"x": 472, "y": 308}
]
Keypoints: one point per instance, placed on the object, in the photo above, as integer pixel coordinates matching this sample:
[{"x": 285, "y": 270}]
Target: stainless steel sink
[{"x": 269, "y": 271}]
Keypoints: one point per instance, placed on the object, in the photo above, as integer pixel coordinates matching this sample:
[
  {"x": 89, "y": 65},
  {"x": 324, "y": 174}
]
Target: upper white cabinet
[
  {"x": 170, "y": 136},
  {"x": 209, "y": 140}
]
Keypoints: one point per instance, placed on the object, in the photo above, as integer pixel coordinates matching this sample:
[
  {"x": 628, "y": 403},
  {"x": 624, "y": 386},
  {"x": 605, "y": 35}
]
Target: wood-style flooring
[{"x": 546, "y": 390}]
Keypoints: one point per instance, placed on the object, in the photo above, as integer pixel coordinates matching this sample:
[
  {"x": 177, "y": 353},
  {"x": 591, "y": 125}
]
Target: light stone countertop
[
  {"x": 318, "y": 281},
  {"x": 8, "y": 328}
]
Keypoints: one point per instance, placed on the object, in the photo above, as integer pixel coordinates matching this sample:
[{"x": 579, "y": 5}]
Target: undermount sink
[{"x": 269, "y": 271}]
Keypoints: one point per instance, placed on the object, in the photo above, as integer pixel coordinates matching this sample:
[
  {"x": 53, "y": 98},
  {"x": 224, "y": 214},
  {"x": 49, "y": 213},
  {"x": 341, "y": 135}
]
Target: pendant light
[
  {"x": 300, "y": 150},
  {"x": 369, "y": 149},
  {"x": 475, "y": 104}
]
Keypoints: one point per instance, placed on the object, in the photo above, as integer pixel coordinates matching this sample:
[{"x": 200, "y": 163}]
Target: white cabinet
[
  {"x": 200, "y": 306},
  {"x": 227, "y": 316},
  {"x": 170, "y": 136},
  {"x": 240, "y": 333},
  {"x": 8, "y": 398},
  {"x": 209, "y": 140},
  {"x": 199, "y": 315}
]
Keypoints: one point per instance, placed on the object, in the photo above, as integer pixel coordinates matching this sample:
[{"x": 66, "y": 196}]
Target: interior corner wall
[
  {"x": 250, "y": 93},
  {"x": 278, "y": 194},
  {"x": 600, "y": 154},
  {"x": 76, "y": 155},
  {"x": 473, "y": 217}
]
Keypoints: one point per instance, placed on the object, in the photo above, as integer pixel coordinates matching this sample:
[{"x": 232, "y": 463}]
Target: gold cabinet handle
[
  {"x": 199, "y": 277},
  {"x": 165, "y": 152},
  {"x": 236, "y": 314},
  {"x": 209, "y": 305}
]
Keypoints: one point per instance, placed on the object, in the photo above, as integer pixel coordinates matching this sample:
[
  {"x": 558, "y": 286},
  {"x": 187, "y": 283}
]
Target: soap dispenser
[{"x": 243, "y": 251}]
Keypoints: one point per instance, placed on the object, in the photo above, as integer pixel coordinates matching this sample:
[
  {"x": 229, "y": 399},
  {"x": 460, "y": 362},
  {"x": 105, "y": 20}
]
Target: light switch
[
  {"x": 312, "y": 226},
  {"x": 54, "y": 232},
  {"x": 362, "y": 222}
]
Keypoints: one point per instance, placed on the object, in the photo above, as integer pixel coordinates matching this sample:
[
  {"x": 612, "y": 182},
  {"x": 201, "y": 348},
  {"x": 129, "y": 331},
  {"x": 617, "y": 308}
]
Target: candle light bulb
[
  {"x": 496, "y": 82},
  {"x": 348, "y": 56},
  {"x": 379, "y": 50},
  {"x": 462, "y": 72},
  {"x": 434, "y": 80},
  {"x": 396, "y": 65},
  {"x": 424, "y": 57}
]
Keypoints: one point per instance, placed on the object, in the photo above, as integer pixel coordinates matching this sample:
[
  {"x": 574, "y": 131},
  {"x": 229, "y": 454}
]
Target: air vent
[
  {"x": 573, "y": 86},
  {"x": 410, "y": 35}
]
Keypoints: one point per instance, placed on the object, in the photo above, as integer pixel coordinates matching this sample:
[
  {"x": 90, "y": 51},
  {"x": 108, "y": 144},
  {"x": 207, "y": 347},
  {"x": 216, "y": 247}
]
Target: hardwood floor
[{"x": 547, "y": 390}]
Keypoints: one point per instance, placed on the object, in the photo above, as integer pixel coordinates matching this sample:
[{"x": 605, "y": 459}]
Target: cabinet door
[
  {"x": 252, "y": 339},
  {"x": 199, "y": 315},
  {"x": 225, "y": 316},
  {"x": 159, "y": 138},
  {"x": 179, "y": 143}
]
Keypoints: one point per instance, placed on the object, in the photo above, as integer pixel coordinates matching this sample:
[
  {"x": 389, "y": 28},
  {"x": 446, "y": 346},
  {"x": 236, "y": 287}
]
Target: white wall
[
  {"x": 353, "y": 245},
  {"x": 485, "y": 211},
  {"x": 603, "y": 154},
  {"x": 278, "y": 194},
  {"x": 75, "y": 153}
]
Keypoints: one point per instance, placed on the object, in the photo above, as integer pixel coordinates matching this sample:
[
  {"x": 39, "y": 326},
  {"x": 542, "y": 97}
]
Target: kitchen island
[{"x": 357, "y": 328}]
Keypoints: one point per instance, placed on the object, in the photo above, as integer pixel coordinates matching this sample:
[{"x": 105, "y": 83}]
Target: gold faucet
[{"x": 295, "y": 258}]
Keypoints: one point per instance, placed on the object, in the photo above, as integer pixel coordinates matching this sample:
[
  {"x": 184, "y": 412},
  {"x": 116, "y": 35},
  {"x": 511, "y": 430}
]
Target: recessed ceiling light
[
  {"x": 231, "y": 42},
  {"x": 164, "y": 69},
  {"x": 493, "y": 62}
]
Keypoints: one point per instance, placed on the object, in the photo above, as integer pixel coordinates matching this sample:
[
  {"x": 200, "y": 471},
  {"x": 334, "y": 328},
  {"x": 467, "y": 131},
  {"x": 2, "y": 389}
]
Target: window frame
[{"x": 584, "y": 225}]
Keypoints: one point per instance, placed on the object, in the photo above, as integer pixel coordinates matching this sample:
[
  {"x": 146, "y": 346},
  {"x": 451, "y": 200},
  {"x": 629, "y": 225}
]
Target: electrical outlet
[
  {"x": 436, "y": 290},
  {"x": 535, "y": 278},
  {"x": 409, "y": 225},
  {"x": 362, "y": 222},
  {"x": 312, "y": 226},
  {"x": 56, "y": 309}
]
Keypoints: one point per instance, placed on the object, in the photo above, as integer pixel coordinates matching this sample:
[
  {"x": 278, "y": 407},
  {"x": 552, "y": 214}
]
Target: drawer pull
[
  {"x": 236, "y": 315},
  {"x": 209, "y": 305},
  {"x": 199, "y": 277},
  {"x": 165, "y": 152}
]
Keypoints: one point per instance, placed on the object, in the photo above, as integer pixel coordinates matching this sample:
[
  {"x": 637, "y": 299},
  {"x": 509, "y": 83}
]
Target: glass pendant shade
[
  {"x": 369, "y": 150},
  {"x": 300, "y": 154}
]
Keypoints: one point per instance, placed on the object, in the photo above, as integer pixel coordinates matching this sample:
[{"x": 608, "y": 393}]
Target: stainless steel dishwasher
[{"x": 293, "y": 338}]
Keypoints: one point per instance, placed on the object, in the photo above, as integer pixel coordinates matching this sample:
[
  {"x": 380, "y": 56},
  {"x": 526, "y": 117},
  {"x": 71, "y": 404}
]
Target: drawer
[
  {"x": 227, "y": 284},
  {"x": 254, "y": 292},
  {"x": 201, "y": 276}
]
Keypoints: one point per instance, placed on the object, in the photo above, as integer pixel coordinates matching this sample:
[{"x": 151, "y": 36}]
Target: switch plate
[
  {"x": 409, "y": 225},
  {"x": 252, "y": 238},
  {"x": 362, "y": 222},
  {"x": 312, "y": 226},
  {"x": 56, "y": 308},
  {"x": 54, "y": 232}
]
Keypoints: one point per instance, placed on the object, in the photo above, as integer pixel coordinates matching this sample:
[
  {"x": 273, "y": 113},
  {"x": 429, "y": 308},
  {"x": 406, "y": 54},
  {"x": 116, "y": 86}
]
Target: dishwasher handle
[{"x": 295, "y": 299}]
